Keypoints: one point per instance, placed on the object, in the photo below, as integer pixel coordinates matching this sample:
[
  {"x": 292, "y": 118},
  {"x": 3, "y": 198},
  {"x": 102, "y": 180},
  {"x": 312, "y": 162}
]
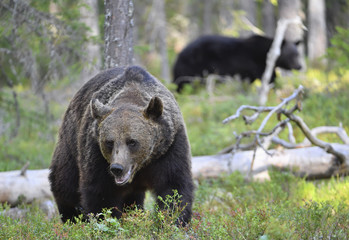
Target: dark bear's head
[
  {"x": 289, "y": 57},
  {"x": 127, "y": 136}
]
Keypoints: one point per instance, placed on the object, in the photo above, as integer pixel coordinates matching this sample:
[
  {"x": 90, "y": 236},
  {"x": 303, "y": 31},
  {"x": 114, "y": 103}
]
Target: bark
[
  {"x": 118, "y": 30},
  {"x": 317, "y": 40},
  {"x": 312, "y": 162},
  {"x": 24, "y": 186},
  {"x": 291, "y": 9}
]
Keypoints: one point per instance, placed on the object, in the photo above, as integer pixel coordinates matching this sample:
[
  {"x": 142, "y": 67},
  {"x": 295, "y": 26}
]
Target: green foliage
[
  {"x": 338, "y": 53},
  {"x": 229, "y": 207},
  {"x": 38, "y": 45},
  {"x": 36, "y": 132}
]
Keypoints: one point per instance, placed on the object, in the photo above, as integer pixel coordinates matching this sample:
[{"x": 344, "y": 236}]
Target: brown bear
[{"x": 122, "y": 134}]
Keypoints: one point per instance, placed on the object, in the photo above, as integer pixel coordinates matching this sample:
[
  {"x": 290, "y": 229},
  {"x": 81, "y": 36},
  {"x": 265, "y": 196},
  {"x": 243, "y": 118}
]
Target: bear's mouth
[{"x": 122, "y": 180}]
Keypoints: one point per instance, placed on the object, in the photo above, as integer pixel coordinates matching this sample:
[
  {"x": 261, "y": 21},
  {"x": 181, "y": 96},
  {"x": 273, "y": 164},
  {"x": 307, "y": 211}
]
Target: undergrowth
[
  {"x": 285, "y": 207},
  {"x": 225, "y": 208}
]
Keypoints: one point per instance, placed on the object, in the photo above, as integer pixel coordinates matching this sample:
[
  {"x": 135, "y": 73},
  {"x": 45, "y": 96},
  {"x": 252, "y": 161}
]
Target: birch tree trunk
[
  {"x": 317, "y": 40},
  {"x": 291, "y": 9},
  {"x": 118, "y": 36}
]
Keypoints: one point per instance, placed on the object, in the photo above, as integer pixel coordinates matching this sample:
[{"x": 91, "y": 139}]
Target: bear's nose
[{"x": 116, "y": 169}]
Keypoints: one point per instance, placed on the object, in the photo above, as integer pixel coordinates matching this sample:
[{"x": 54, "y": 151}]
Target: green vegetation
[{"x": 226, "y": 208}]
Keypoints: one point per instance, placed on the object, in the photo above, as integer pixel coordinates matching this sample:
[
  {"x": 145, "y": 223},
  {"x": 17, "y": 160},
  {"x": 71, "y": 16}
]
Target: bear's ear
[
  {"x": 98, "y": 109},
  {"x": 154, "y": 109}
]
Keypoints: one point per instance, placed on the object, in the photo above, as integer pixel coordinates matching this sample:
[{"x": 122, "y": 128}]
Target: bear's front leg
[
  {"x": 98, "y": 191},
  {"x": 170, "y": 177},
  {"x": 173, "y": 172}
]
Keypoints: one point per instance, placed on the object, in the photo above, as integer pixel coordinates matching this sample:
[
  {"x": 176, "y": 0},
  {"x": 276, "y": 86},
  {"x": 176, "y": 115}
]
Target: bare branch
[
  {"x": 288, "y": 145},
  {"x": 24, "y": 169},
  {"x": 258, "y": 110},
  {"x": 291, "y": 137},
  {"x": 284, "y": 102},
  {"x": 331, "y": 129},
  {"x": 276, "y": 130},
  {"x": 272, "y": 135},
  {"x": 324, "y": 145},
  {"x": 261, "y": 109}
]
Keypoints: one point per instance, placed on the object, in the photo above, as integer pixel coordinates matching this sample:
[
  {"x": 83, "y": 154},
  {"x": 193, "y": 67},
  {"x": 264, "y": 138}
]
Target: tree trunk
[
  {"x": 24, "y": 186},
  {"x": 268, "y": 16},
  {"x": 291, "y": 9},
  {"x": 311, "y": 162},
  {"x": 317, "y": 40},
  {"x": 89, "y": 16},
  {"x": 118, "y": 30}
]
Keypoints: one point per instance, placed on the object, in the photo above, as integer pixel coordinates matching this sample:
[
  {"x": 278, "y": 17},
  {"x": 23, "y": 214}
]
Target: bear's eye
[
  {"x": 109, "y": 145},
  {"x": 131, "y": 142}
]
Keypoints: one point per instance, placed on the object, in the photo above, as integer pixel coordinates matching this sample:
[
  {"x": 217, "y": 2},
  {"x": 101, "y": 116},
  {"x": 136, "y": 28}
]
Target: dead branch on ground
[{"x": 262, "y": 140}]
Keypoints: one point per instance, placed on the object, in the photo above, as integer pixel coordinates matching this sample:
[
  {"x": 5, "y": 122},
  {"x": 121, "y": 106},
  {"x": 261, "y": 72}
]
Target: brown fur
[{"x": 121, "y": 135}]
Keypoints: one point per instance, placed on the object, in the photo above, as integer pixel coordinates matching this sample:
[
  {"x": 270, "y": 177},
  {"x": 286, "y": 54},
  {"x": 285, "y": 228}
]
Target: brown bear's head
[{"x": 127, "y": 136}]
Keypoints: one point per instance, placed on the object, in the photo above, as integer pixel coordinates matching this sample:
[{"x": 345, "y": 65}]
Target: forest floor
[{"x": 228, "y": 207}]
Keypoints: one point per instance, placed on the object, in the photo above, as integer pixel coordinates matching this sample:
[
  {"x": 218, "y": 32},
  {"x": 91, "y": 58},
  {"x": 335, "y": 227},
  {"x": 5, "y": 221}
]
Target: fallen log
[
  {"x": 24, "y": 186},
  {"x": 310, "y": 162}
]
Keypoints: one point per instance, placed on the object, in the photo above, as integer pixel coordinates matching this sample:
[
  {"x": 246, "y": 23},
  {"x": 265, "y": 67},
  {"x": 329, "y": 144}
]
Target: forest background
[{"x": 48, "y": 49}]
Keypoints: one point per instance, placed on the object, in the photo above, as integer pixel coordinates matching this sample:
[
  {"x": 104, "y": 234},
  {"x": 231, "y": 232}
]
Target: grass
[{"x": 225, "y": 208}]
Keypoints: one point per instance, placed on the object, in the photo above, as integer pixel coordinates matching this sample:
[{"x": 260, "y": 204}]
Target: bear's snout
[{"x": 116, "y": 169}]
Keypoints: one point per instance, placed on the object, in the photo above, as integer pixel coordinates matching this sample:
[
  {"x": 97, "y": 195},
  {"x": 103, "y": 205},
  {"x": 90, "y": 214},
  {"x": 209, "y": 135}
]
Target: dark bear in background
[
  {"x": 230, "y": 56},
  {"x": 122, "y": 134}
]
